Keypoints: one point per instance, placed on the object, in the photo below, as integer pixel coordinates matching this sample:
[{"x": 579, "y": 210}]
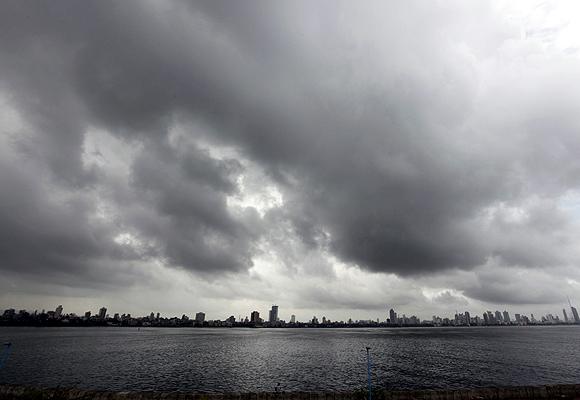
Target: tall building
[
  {"x": 506, "y": 317},
  {"x": 575, "y": 315},
  {"x": 392, "y": 316},
  {"x": 498, "y": 317},
  {"x": 102, "y": 312},
  {"x": 565, "y": 315},
  {"x": 58, "y": 312},
  {"x": 255, "y": 317},
  {"x": 467, "y": 318},
  {"x": 490, "y": 318},
  {"x": 200, "y": 317},
  {"x": 293, "y": 319},
  {"x": 273, "y": 314}
]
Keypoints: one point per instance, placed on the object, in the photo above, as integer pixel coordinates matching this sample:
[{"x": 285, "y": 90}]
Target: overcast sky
[{"x": 336, "y": 158}]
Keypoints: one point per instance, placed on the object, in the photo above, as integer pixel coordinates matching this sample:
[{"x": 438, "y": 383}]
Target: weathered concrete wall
[{"x": 561, "y": 392}]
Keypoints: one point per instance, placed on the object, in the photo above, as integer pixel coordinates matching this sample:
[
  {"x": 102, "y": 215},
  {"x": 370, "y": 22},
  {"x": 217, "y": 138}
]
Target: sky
[{"x": 335, "y": 158}]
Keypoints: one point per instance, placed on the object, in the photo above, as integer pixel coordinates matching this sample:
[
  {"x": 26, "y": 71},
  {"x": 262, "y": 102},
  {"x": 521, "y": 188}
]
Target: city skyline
[{"x": 392, "y": 318}]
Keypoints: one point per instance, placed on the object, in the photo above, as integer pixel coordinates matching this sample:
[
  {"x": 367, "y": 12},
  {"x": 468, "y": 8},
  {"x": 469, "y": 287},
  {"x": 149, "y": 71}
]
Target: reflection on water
[{"x": 218, "y": 360}]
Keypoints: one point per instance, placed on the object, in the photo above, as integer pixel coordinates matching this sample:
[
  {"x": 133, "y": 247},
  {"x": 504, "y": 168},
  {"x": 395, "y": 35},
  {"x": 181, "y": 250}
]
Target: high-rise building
[
  {"x": 498, "y": 317},
  {"x": 506, "y": 317},
  {"x": 200, "y": 317},
  {"x": 273, "y": 317},
  {"x": 467, "y": 318},
  {"x": 58, "y": 312},
  {"x": 102, "y": 313},
  {"x": 293, "y": 319},
  {"x": 490, "y": 318},
  {"x": 565, "y": 315},
  {"x": 518, "y": 318},
  {"x": 255, "y": 317},
  {"x": 88, "y": 315},
  {"x": 392, "y": 316},
  {"x": 575, "y": 315}
]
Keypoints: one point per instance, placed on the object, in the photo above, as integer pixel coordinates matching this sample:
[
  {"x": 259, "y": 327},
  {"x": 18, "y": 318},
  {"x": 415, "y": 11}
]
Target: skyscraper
[
  {"x": 506, "y": 317},
  {"x": 498, "y": 317},
  {"x": 273, "y": 314},
  {"x": 490, "y": 318},
  {"x": 58, "y": 312},
  {"x": 565, "y": 315},
  {"x": 255, "y": 317},
  {"x": 293, "y": 319},
  {"x": 575, "y": 315},
  {"x": 392, "y": 316},
  {"x": 102, "y": 312}
]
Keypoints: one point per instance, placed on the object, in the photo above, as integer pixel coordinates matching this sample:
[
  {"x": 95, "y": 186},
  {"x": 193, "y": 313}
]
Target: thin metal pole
[
  {"x": 5, "y": 354},
  {"x": 369, "y": 371}
]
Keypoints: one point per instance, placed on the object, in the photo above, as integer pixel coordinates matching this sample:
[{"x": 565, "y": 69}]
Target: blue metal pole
[
  {"x": 369, "y": 371},
  {"x": 5, "y": 354}
]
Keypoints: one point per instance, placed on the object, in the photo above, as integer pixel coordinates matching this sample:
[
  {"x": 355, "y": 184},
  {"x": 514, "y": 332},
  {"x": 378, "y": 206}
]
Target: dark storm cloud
[
  {"x": 372, "y": 121},
  {"x": 183, "y": 192},
  {"x": 67, "y": 68},
  {"x": 46, "y": 236}
]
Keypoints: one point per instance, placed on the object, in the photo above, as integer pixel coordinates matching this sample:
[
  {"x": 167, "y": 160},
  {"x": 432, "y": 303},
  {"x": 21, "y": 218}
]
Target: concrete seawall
[{"x": 562, "y": 392}]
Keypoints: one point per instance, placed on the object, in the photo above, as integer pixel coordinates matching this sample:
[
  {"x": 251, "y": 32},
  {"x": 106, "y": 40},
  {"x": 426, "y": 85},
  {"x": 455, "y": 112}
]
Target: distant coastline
[
  {"x": 11, "y": 317},
  {"x": 104, "y": 324}
]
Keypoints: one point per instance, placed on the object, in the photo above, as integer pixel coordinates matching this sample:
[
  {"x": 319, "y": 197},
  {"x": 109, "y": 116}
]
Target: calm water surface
[{"x": 217, "y": 360}]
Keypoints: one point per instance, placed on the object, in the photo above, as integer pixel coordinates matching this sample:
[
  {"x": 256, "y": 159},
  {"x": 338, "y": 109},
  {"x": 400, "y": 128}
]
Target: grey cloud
[
  {"x": 449, "y": 299},
  {"x": 184, "y": 195},
  {"x": 69, "y": 68},
  {"x": 327, "y": 298},
  {"x": 388, "y": 137},
  {"x": 46, "y": 236},
  {"x": 504, "y": 290}
]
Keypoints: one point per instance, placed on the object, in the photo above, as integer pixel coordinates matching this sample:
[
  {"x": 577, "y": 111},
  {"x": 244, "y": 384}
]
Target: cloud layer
[{"x": 423, "y": 142}]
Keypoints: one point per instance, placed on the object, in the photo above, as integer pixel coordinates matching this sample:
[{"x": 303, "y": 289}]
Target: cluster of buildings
[
  {"x": 504, "y": 318},
  {"x": 102, "y": 318}
]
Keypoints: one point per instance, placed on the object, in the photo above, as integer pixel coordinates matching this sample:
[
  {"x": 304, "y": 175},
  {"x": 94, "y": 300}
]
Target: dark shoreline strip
[{"x": 562, "y": 392}]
